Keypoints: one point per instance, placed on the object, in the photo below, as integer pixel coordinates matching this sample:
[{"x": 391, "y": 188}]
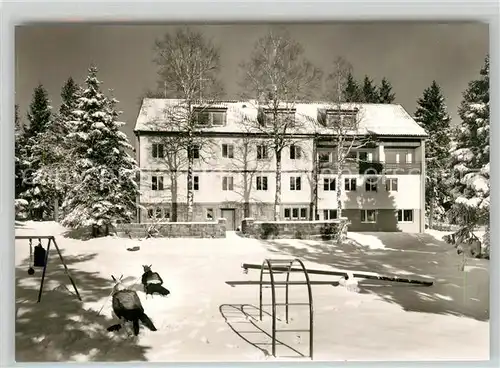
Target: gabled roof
[{"x": 379, "y": 119}]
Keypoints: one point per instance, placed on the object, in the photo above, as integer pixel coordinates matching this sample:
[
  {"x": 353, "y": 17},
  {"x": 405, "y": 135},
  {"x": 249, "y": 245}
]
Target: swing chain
[{"x": 31, "y": 253}]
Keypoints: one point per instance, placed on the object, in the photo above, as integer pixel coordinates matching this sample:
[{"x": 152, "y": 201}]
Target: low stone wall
[
  {"x": 324, "y": 230},
  {"x": 212, "y": 229}
]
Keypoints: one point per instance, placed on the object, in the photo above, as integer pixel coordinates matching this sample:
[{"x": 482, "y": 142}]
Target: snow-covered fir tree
[
  {"x": 369, "y": 92},
  {"x": 385, "y": 94},
  {"x": 106, "y": 190},
  {"x": 18, "y": 150},
  {"x": 432, "y": 115},
  {"x": 471, "y": 162},
  {"x": 40, "y": 119},
  {"x": 56, "y": 167},
  {"x": 19, "y": 161},
  {"x": 352, "y": 92}
]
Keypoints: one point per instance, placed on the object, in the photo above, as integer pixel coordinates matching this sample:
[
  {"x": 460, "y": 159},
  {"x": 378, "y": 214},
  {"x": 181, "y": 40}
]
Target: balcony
[{"x": 373, "y": 168}]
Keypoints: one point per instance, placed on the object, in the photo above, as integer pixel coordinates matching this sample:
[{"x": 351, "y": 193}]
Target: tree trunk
[
  {"x": 56, "y": 210},
  {"x": 247, "y": 182},
  {"x": 338, "y": 187},
  {"x": 173, "y": 195},
  {"x": 190, "y": 187},
  {"x": 277, "y": 194},
  {"x": 340, "y": 167},
  {"x": 431, "y": 213},
  {"x": 314, "y": 215}
]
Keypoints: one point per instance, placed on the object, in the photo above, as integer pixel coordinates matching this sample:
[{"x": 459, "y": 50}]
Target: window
[
  {"x": 283, "y": 117},
  {"x": 351, "y": 156},
  {"x": 228, "y": 151},
  {"x": 194, "y": 152},
  {"x": 329, "y": 214},
  {"x": 397, "y": 158},
  {"x": 207, "y": 117},
  {"x": 324, "y": 156},
  {"x": 210, "y": 214},
  {"x": 346, "y": 118},
  {"x": 196, "y": 183},
  {"x": 295, "y": 183},
  {"x": 350, "y": 184},
  {"x": 405, "y": 215},
  {"x": 371, "y": 184},
  {"x": 262, "y": 152},
  {"x": 409, "y": 157},
  {"x": 295, "y": 213},
  {"x": 365, "y": 156},
  {"x": 391, "y": 184},
  {"x": 157, "y": 182},
  {"x": 368, "y": 216},
  {"x": 218, "y": 118},
  {"x": 166, "y": 213},
  {"x": 227, "y": 183},
  {"x": 159, "y": 213},
  {"x": 328, "y": 184},
  {"x": 295, "y": 152},
  {"x": 158, "y": 150},
  {"x": 303, "y": 213},
  {"x": 261, "y": 182}
]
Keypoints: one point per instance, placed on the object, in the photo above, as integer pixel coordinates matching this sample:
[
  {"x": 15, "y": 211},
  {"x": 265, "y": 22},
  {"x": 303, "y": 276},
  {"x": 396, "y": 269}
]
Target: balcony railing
[{"x": 373, "y": 168}]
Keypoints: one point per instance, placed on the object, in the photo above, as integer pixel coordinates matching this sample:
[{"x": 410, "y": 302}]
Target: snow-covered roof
[{"x": 379, "y": 119}]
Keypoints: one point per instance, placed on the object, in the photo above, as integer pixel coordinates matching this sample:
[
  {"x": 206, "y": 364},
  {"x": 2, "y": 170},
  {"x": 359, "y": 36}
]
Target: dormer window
[
  {"x": 344, "y": 118},
  {"x": 210, "y": 117},
  {"x": 284, "y": 117}
]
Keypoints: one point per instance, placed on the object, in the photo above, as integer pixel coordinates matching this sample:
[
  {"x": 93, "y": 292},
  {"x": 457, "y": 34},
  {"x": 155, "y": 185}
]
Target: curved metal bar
[
  {"x": 286, "y": 289},
  {"x": 311, "y": 310},
  {"x": 260, "y": 289},
  {"x": 273, "y": 301}
]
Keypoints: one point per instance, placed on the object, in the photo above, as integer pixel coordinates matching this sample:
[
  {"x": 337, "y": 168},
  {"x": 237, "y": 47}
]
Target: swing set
[{"x": 39, "y": 257}]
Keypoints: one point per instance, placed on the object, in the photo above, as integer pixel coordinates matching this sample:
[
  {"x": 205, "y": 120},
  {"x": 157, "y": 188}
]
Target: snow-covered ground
[{"x": 205, "y": 319}]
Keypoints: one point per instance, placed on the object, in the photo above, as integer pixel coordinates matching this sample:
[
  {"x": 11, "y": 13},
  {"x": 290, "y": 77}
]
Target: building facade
[{"x": 382, "y": 183}]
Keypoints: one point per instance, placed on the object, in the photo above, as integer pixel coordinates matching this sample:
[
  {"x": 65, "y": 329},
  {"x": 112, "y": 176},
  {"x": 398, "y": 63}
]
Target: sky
[{"x": 410, "y": 55}]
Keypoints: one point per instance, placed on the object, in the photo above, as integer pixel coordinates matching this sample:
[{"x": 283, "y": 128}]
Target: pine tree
[
  {"x": 471, "y": 162},
  {"x": 385, "y": 95},
  {"x": 106, "y": 190},
  {"x": 69, "y": 99},
  {"x": 20, "y": 161},
  {"x": 351, "y": 90},
  {"x": 40, "y": 118},
  {"x": 432, "y": 115},
  {"x": 52, "y": 144},
  {"x": 369, "y": 91},
  {"x": 18, "y": 150}
]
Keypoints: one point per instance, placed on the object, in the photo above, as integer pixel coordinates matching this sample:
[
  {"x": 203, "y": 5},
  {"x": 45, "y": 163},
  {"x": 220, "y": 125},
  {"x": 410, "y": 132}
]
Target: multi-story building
[{"x": 382, "y": 184}]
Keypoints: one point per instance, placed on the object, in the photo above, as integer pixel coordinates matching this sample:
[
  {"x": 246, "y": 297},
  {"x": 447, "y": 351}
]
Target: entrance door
[{"x": 228, "y": 214}]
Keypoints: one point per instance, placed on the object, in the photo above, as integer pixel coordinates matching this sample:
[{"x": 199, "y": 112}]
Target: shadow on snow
[
  {"x": 406, "y": 255},
  {"x": 59, "y": 328}
]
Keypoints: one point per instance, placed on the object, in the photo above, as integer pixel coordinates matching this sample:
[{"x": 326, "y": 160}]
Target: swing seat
[{"x": 39, "y": 256}]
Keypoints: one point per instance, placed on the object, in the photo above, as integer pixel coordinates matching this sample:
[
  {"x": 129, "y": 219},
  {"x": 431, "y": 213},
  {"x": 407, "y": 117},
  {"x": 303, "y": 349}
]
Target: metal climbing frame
[
  {"x": 285, "y": 265},
  {"x": 51, "y": 239}
]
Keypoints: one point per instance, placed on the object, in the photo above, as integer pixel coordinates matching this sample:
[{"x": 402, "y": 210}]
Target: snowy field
[{"x": 205, "y": 319}]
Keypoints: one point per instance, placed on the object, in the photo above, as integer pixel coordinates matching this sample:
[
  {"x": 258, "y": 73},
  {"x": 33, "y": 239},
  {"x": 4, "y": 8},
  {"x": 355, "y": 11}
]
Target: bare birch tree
[
  {"x": 244, "y": 161},
  {"x": 188, "y": 71},
  {"x": 277, "y": 76},
  {"x": 343, "y": 122}
]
